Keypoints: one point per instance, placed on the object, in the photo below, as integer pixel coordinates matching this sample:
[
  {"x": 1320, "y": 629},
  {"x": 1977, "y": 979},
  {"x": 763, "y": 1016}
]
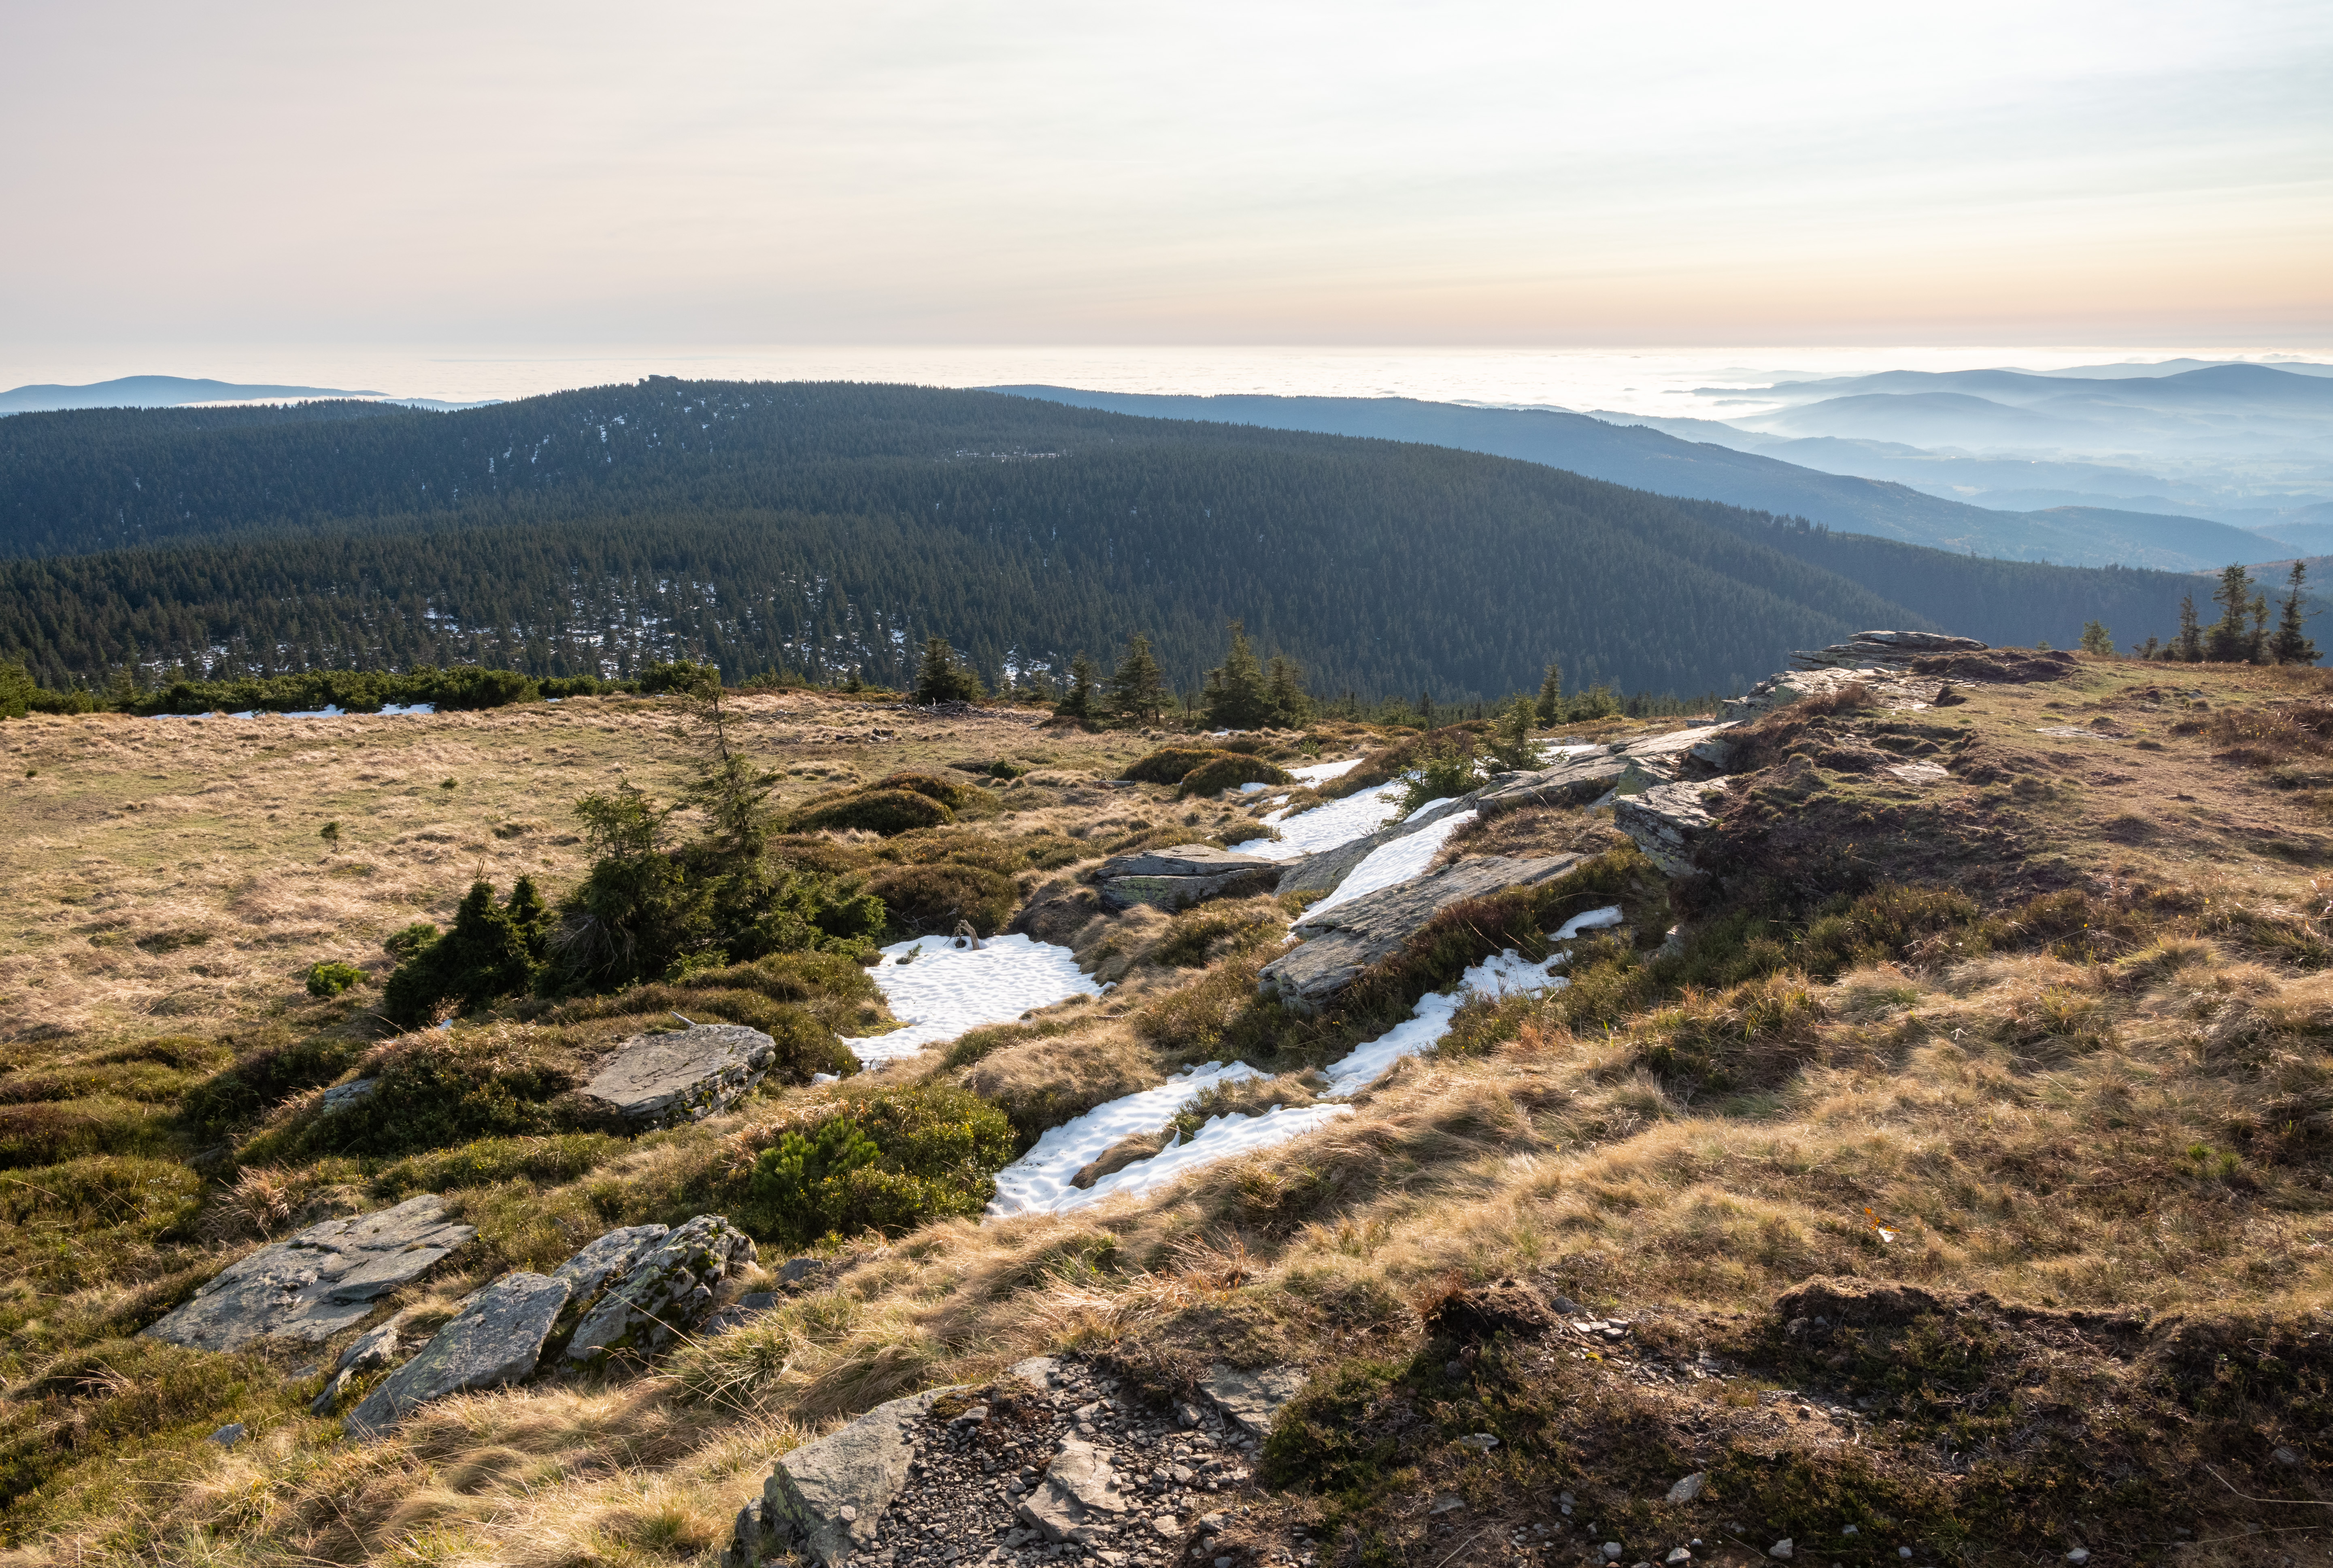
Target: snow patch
[
  {"x": 942, "y": 990},
  {"x": 1325, "y": 826},
  {"x": 1507, "y": 974},
  {"x": 1400, "y": 861},
  {"x": 1594, "y": 919},
  {"x": 1222, "y": 1138},
  {"x": 1321, "y": 772},
  {"x": 1038, "y": 1182}
]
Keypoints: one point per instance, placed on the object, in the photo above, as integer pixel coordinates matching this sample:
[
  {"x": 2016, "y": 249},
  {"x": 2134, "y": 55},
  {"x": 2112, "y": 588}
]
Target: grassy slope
[{"x": 2098, "y": 1092}]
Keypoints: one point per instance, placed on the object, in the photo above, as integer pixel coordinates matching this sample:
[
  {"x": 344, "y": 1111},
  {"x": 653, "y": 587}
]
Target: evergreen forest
[{"x": 829, "y": 531}]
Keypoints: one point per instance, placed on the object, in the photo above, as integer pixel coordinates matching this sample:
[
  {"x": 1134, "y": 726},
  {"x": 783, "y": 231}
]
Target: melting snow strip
[
  {"x": 1040, "y": 1180},
  {"x": 1321, "y": 772},
  {"x": 1506, "y": 973},
  {"x": 942, "y": 990},
  {"x": 1327, "y": 827},
  {"x": 1222, "y": 1138},
  {"x": 1397, "y": 861}
]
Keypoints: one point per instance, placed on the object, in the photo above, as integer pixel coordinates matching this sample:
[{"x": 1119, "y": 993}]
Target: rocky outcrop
[
  {"x": 827, "y": 1498},
  {"x": 611, "y": 1256},
  {"x": 666, "y": 1293},
  {"x": 1669, "y": 823},
  {"x": 1188, "y": 874},
  {"x": 1343, "y": 941},
  {"x": 495, "y": 1338},
  {"x": 326, "y": 1278},
  {"x": 1883, "y": 650},
  {"x": 658, "y": 1080},
  {"x": 1577, "y": 781},
  {"x": 368, "y": 1353}
]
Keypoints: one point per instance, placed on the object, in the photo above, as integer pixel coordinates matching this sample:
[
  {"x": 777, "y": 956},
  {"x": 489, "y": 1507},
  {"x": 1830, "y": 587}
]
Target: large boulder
[
  {"x": 1883, "y": 650},
  {"x": 1669, "y": 823},
  {"x": 827, "y": 1497},
  {"x": 1578, "y": 781},
  {"x": 495, "y": 1338},
  {"x": 326, "y": 1278},
  {"x": 1176, "y": 879},
  {"x": 1342, "y": 942},
  {"x": 683, "y": 1076},
  {"x": 611, "y": 1256},
  {"x": 668, "y": 1291}
]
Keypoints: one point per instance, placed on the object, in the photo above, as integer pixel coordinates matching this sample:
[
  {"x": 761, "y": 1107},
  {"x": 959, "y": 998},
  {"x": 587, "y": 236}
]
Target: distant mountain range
[
  {"x": 1646, "y": 458},
  {"x": 183, "y": 391}
]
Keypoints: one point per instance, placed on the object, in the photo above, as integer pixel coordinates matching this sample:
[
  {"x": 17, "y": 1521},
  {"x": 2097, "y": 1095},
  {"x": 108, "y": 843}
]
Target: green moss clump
[{"x": 326, "y": 980}]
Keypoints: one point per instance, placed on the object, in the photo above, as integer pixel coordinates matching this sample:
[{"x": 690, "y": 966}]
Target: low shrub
[
  {"x": 262, "y": 1079},
  {"x": 1229, "y": 773},
  {"x": 50, "y": 1132},
  {"x": 954, "y": 796},
  {"x": 1440, "y": 775},
  {"x": 934, "y": 898},
  {"x": 878, "y": 812},
  {"x": 491, "y": 951},
  {"x": 436, "y": 1089},
  {"x": 1170, "y": 765},
  {"x": 329, "y": 979},
  {"x": 890, "y": 1162}
]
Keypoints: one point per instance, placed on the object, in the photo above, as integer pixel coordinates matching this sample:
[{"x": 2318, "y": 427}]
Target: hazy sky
[{"x": 1528, "y": 173}]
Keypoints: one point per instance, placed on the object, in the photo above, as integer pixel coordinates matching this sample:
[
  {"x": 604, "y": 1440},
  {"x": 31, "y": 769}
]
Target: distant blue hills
[{"x": 178, "y": 391}]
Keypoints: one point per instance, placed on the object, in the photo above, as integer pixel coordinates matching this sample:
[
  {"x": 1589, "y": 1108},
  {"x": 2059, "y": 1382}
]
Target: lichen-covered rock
[
  {"x": 495, "y": 1338},
  {"x": 1575, "y": 782},
  {"x": 1253, "y": 1398},
  {"x": 669, "y": 1291},
  {"x": 683, "y": 1076},
  {"x": 611, "y": 1256},
  {"x": 323, "y": 1280},
  {"x": 1080, "y": 1497},
  {"x": 368, "y": 1352}
]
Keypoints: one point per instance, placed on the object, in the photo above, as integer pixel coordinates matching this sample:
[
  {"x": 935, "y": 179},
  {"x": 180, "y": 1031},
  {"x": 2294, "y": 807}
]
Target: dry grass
[{"x": 2134, "y": 1110}]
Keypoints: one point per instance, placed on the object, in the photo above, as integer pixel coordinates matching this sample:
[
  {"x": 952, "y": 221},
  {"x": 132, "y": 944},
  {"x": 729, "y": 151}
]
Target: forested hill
[{"x": 827, "y": 529}]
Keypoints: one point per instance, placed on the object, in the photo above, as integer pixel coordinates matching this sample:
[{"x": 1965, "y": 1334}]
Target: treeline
[
  {"x": 351, "y": 691},
  {"x": 829, "y": 530}
]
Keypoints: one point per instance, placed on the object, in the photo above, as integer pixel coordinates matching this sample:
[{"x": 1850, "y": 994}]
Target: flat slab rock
[
  {"x": 317, "y": 1283},
  {"x": 658, "y": 1080},
  {"x": 668, "y": 1289},
  {"x": 495, "y": 1338},
  {"x": 1183, "y": 860},
  {"x": 827, "y": 1497},
  {"x": 1342, "y": 942},
  {"x": 1576, "y": 782}
]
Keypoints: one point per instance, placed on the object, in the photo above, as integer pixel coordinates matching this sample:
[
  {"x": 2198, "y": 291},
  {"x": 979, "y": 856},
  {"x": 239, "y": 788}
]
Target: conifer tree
[
  {"x": 2097, "y": 640},
  {"x": 2229, "y": 641},
  {"x": 1138, "y": 692},
  {"x": 1236, "y": 696},
  {"x": 1550, "y": 695},
  {"x": 1511, "y": 743},
  {"x": 1078, "y": 701},
  {"x": 942, "y": 677},
  {"x": 1292, "y": 705},
  {"x": 2188, "y": 646},
  {"x": 2291, "y": 643}
]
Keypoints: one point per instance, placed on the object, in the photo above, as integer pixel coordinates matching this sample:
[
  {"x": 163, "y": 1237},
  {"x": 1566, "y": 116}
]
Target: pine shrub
[
  {"x": 933, "y": 898},
  {"x": 891, "y": 1161},
  {"x": 1228, "y": 772}
]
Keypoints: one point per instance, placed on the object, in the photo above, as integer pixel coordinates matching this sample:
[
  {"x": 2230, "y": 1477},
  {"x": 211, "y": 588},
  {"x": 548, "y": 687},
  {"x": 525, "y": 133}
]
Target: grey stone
[
  {"x": 1575, "y": 782},
  {"x": 1183, "y": 860},
  {"x": 335, "y": 1390},
  {"x": 376, "y": 1348},
  {"x": 1080, "y": 1493},
  {"x": 340, "y": 1096},
  {"x": 1044, "y": 1371},
  {"x": 227, "y": 1436},
  {"x": 1321, "y": 872},
  {"x": 1253, "y": 1398},
  {"x": 657, "y": 1080},
  {"x": 669, "y": 1291},
  {"x": 1784, "y": 1550},
  {"x": 610, "y": 1257},
  {"x": 495, "y": 1338},
  {"x": 1690, "y": 1487},
  {"x": 1171, "y": 895},
  {"x": 1869, "y": 649},
  {"x": 1668, "y": 824},
  {"x": 857, "y": 1470},
  {"x": 1672, "y": 747},
  {"x": 322, "y": 1280},
  {"x": 1343, "y": 941},
  {"x": 795, "y": 1270},
  {"x": 1780, "y": 691}
]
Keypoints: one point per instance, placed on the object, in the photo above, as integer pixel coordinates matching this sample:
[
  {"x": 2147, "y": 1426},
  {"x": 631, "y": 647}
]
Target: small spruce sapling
[
  {"x": 1511, "y": 742},
  {"x": 1550, "y": 695},
  {"x": 2097, "y": 640},
  {"x": 2291, "y": 643}
]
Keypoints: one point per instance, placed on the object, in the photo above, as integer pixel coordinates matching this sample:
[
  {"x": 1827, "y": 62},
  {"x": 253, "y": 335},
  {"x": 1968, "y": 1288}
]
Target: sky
[{"x": 1495, "y": 174}]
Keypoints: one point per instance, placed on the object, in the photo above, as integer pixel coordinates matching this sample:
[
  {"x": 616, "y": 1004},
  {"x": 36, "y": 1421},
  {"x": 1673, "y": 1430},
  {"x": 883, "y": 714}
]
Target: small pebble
[{"x": 2078, "y": 1555}]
